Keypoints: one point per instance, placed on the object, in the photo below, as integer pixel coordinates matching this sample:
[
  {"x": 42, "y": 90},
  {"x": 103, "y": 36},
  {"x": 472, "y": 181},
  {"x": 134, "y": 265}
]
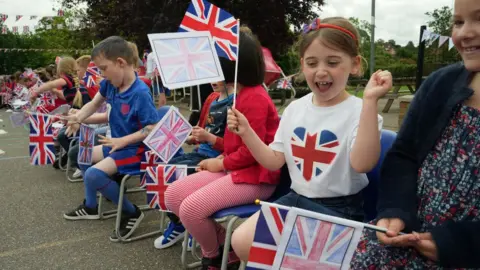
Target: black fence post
[{"x": 420, "y": 58}]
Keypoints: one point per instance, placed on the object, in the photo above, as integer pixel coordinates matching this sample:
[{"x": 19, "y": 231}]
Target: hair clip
[{"x": 316, "y": 24}]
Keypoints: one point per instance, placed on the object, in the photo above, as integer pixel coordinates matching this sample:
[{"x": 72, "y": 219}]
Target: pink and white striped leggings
[{"x": 198, "y": 196}]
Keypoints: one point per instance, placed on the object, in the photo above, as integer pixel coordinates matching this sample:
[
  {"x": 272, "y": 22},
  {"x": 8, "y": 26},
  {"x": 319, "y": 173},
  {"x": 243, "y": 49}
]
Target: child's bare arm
[
  {"x": 49, "y": 86},
  {"x": 90, "y": 108},
  {"x": 97, "y": 118},
  {"x": 139, "y": 135}
]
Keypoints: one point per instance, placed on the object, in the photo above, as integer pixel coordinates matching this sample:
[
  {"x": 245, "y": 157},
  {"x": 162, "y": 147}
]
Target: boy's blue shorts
[{"x": 128, "y": 160}]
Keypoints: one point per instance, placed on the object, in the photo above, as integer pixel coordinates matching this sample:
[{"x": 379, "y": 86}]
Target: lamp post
[{"x": 372, "y": 41}]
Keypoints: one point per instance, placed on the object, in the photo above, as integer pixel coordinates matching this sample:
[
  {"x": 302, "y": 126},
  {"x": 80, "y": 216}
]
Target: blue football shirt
[{"x": 129, "y": 111}]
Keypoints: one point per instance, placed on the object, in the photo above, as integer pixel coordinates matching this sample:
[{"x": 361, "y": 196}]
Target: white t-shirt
[
  {"x": 151, "y": 64},
  {"x": 316, "y": 142}
]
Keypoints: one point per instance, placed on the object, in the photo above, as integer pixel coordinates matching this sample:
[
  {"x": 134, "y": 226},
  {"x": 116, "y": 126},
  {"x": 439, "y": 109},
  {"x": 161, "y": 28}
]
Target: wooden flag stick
[
  {"x": 366, "y": 225},
  {"x": 236, "y": 65}
]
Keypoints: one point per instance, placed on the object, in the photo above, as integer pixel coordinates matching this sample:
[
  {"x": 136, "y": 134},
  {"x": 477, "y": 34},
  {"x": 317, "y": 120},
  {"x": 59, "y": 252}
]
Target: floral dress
[{"x": 448, "y": 189}]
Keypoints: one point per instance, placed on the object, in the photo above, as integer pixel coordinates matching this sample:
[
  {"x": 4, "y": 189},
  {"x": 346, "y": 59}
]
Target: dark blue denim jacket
[{"x": 458, "y": 244}]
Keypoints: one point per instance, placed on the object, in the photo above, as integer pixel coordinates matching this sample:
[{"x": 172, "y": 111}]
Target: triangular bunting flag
[
  {"x": 442, "y": 40},
  {"x": 33, "y": 17},
  {"x": 434, "y": 37},
  {"x": 450, "y": 44},
  {"x": 18, "y": 17},
  {"x": 426, "y": 35}
]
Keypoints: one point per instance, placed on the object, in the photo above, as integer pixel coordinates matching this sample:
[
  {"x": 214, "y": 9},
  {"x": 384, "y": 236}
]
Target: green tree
[
  {"x": 440, "y": 23},
  {"x": 441, "y": 20},
  {"x": 269, "y": 19},
  {"x": 53, "y": 33}
]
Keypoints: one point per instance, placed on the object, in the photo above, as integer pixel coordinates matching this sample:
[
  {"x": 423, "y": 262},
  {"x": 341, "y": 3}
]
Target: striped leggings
[{"x": 198, "y": 196}]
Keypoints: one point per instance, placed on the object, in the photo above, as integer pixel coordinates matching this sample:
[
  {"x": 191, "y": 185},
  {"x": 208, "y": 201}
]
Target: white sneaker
[{"x": 77, "y": 174}]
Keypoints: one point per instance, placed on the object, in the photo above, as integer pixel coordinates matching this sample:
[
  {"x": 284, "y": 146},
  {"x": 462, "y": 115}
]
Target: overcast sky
[{"x": 395, "y": 19}]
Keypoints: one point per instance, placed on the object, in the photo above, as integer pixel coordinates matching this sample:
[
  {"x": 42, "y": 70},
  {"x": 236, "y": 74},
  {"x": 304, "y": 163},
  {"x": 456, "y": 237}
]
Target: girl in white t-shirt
[{"x": 329, "y": 139}]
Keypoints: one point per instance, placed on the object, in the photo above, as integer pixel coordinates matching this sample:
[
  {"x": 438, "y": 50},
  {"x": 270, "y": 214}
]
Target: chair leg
[
  {"x": 228, "y": 239},
  {"x": 183, "y": 257},
  {"x": 142, "y": 208},
  {"x": 104, "y": 214},
  {"x": 62, "y": 152}
]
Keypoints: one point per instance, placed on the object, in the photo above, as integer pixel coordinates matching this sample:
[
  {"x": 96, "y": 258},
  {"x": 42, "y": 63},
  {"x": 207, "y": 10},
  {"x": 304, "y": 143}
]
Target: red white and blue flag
[
  {"x": 86, "y": 144},
  {"x": 91, "y": 75},
  {"x": 41, "y": 147},
  {"x": 158, "y": 180},
  {"x": 186, "y": 59},
  {"x": 169, "y": 135},
  {"x": 268, "y": 232},
  {"x": 283, "y": 84},
  {"x": 313, "y": 153},
  {"x": 150, "y": 160},
  {"x": 204, "y": 16},
  {"x": 317, "y": 244}
]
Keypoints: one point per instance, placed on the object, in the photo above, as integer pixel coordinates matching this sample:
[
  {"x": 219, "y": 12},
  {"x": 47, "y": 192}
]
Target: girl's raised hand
[
  {"x": 237, "y": 122},
  {"x": 379, "y": 84}
]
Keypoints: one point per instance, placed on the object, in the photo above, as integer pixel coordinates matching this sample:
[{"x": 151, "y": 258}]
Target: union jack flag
[
  {"x": 204, "y": 16},
  {"x": 87, "y": 140},
  {"x": 92, "y": 75},
  {"x": 283, "y": 84},
  {"x": 186, "y": 59},
  {"x": 151, "y": 160},
  {"x": 158, "y": 180},
  {"x": 47, "y": 99},
  {"x": 3, "y": 17},
  {"x": 41, "y": 147},
  {"x": 313, "y": 153},
  {"x": 169, "y": 135},
  {"x": 267, "y": 237},
  {"x": 318, "y": 244}
]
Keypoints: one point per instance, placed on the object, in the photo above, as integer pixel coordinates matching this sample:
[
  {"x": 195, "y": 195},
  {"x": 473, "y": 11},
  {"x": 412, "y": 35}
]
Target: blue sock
[{"x": 97, "y": 180}]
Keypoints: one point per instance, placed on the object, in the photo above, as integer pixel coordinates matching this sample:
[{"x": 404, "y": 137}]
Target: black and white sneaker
[
  {"x": 82, "y": 212},
  {"x": 128, "y": 224}
]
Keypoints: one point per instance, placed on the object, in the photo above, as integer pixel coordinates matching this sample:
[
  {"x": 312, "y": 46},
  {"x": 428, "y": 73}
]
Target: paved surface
[{"x": 34, "y": 235}]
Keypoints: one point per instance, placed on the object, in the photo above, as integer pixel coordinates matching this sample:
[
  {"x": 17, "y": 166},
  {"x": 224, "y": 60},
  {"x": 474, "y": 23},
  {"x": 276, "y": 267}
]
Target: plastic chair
[
  {"x": 231, "y": 215},
  {"x": 370, "y": 193}
]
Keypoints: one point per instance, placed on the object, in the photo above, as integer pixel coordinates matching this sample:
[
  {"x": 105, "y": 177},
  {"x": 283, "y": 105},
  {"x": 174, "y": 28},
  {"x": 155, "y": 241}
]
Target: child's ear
[
  {"x": 121, "y": 62},
  {"x": 356, "y": 65}
]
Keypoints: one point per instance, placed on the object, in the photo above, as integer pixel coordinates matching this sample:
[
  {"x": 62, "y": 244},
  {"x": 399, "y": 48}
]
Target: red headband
[{"x": 316, "y": 24}]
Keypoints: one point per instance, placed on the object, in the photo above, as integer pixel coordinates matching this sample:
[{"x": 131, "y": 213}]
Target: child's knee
[
  {"x": 91, "y": 175},
  {"x": 170, "y": 198},
  {"x": 242, "y": 237}
]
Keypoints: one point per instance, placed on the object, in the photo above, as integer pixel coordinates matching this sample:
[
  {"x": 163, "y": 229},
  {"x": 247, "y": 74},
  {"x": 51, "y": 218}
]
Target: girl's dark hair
[{"x": 251, "y": 68}]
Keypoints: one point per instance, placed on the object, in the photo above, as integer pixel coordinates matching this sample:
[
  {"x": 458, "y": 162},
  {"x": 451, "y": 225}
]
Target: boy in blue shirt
[{"x": 131, "y": 115}]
